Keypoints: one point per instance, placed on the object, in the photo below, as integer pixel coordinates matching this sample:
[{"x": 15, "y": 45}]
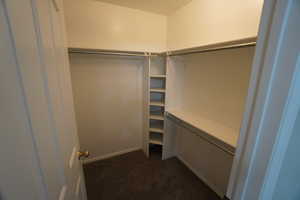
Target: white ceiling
[{"x": 163, "y": 7}]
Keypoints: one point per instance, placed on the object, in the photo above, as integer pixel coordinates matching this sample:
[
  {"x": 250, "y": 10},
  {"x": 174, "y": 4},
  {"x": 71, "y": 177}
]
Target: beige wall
[
  {"x": 203, "y": 22},
  {"x": 108, "y": 103},
  {"x": 94, "y": 24},
  {"x": 215, "y": 85},
  {"x": 107, "y": 89},
  {"x": 99, "y": 25}
]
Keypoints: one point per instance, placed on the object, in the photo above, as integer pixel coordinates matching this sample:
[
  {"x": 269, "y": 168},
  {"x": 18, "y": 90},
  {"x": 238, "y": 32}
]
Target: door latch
[{"x": 83, "y": 154}]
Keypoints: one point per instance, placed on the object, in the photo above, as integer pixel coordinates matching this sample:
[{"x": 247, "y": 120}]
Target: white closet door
[{"x": 43, "y": 70}]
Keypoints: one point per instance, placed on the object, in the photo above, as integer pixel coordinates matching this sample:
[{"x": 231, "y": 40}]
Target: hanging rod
[
  {"x": 207, "y": 48},
  {"x": 216, "y": 47},
  {"x": 111, "y": 52}
]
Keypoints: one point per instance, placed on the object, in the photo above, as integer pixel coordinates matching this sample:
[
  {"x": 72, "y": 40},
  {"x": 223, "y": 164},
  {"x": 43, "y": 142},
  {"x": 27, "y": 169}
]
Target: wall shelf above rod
[
  {"x": 111, "y": 52},
  {"x": 201, "y": 49},
  {"x": 215, "y": 47}
]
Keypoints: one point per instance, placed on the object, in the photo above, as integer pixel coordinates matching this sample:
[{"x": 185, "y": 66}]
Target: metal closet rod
[
  {"x": 111, "y": 52},
  {"x": 207, "y": 48}
]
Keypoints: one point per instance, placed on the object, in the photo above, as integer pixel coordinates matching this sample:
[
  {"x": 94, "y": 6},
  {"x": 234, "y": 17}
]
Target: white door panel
[
  {"x": 37, "y": 32},
  {"x": 69, "y": 139},
  {"x": 24, "y": 35},
  {"x": 19, "y": 169}
]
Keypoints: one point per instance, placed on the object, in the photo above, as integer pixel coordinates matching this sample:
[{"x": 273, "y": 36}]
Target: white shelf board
[
  {"x": 157, "y": 103},
  {"x": 157, "y": 117},
  {"x": 156, "y": 130},
  {"x": 157, "y": 76},
  {"x": 213, "y": 129},
  {"x": 158, "y": 90},
  {"x": 155, "y": 139}
]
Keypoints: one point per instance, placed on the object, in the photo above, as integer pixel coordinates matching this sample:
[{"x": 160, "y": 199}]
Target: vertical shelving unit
[{"x": 157, "y": 95}]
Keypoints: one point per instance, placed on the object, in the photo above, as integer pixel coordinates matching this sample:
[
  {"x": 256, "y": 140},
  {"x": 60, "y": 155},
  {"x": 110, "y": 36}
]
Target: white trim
[
  {"x": 262, "y": 114},
  {"x": 55, "y": 5},
  {"x": 63, "y": 192},
  {"x": 202, "y": 178},
  {"x": 266, "y": 111},
  {"x": 78, "y": 184},
  {"x": 72, "y": 158},
  {"x": 284, "y": 135},
  {"x": 262, "y": 40},
  {"x": 109, "y": 155}
]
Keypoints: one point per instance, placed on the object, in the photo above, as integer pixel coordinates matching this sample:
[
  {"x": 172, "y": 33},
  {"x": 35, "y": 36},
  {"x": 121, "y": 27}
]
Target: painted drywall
[
  {"x": 164, "y": 7},
  {"x": 108, "y": 98},
  {"x": 215, "y": 85},
  {"x": 203, "y": 22},
  {"x": 99, "y": 25}
]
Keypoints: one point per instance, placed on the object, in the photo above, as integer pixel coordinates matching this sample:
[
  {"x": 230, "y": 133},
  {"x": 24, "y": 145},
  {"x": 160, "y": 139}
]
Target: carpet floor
[{"x": 133, "y": 176}]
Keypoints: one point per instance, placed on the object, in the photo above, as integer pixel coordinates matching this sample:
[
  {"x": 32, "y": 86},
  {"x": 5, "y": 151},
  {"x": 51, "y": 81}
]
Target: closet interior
[{"x": 163, "y": 77}]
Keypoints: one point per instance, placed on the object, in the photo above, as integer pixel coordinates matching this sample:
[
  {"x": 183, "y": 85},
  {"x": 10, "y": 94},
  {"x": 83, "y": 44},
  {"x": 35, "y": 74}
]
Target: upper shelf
[
  {"x": 223, "y": 136},
  {"x": 111, "y": 52},
  {"x": 246, "y": 42},
  {"x": 205, "y": 48}
]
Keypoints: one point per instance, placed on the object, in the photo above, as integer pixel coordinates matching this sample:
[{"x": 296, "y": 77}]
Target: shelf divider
[
  {"x": 156, "y": 130},
  {"x": 157, "y": 117},
  {"x": 157, "y": 76},
  {"x": 158, "y": 90},
  {"x": 157, "y": 103}
]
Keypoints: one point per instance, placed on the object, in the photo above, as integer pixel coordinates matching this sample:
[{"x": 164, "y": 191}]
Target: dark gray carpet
[{"x": 134, "y": 177}]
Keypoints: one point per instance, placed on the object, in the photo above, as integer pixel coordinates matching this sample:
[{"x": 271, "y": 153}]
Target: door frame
[
  {"x": 254, "y": 133},
  {"x": 266, "y": 131}
]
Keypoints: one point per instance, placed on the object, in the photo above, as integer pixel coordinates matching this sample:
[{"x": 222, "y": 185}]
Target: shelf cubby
[
  {"x": 156, "y": 113},
  {"x": 156, "y": 126},
  {"x": 157, "y": 99},
  {"x": 157, "y": 94},
  {"x": 155, "y": 138}
]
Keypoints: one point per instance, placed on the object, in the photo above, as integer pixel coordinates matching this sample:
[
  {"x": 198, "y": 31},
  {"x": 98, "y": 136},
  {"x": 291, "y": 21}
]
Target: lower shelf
[
  {"x": 223, "y": 136},
  {"x": 155, "y": 151},
  {"x": 155, "y": 138}
]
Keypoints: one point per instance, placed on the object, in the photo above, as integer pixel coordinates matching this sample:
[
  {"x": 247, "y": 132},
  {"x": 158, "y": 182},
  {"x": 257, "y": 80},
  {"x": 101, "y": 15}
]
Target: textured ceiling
[{"x": 163, "y": 7}]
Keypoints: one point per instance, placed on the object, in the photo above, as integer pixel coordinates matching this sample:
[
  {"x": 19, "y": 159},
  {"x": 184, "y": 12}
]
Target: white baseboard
[
  {"x": 97, "y": 158},
  {"x": 200, "y": 176}
]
